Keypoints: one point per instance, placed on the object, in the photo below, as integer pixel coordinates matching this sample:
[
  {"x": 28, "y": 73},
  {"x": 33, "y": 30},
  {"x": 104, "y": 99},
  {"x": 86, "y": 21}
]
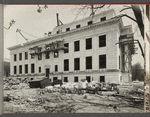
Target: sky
[{"x": 34, "y": 25}]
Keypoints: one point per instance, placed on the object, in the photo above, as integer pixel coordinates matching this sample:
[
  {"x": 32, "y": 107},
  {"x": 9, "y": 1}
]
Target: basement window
[
  {"x": 89, "y": 62},
  {"x": 102, "y": 61},
  {"x": 90, "y": 22},
  {"x": 88, "y": 78},
  {"x": 26, "y": 68},
  {"x": 39, "y": 69},
  {"x": 15, "y": 69},
  {"x": 77, "y": 64},
  {"x": 78, "y": 26},
  {"x": 15, "y": 57},
  {"x": 56, "y": 68},
  {"x": 76, "y": 46},
  {"x": 75, "y": 79},
  {"x": 32, "y": 68},
  {"x": 102, "y": 41},
  {"x": 66, "y": 65},
  {"x": 102, "y": 78},
  {"x": 65, "y": 79},
  {"x": 103, "y": 18},
  {"x": 20, "y": 56},
  {"x": 55, "y": 78},
  {"x": 67, "y": 29},
  {"x": 47, "y": 55},
  {"x": 26, "y": 55},
  {"x": 66, "y": 45},
  {"x": 20, "y": 69},
  {"x": 56, "y": 54}
]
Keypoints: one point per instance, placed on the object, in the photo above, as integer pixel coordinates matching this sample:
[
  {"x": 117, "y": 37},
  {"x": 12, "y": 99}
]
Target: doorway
[
  {"x": 47, "y": 72},
  {"x": 88, "y": 78},
  {"x": 102, "y": 78}
]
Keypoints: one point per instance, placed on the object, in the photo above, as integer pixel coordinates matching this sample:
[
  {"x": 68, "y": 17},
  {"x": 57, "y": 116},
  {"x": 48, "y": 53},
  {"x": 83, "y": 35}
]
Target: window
[
  {"x": 119, "y": 62},
  {"x": 89, "y": 62},
  {"x": 32, "y": 56},
  {"x": 67, "y": 29},
  {"x": 39, "y": 69},
  {"x": 47, "y": 55},
  {"x": 26, "y": 68},
  {"x": 39, "y": 56},
  {"x": 103, "y": 18},
  {"x": 77, "y": 64},
  {"x": 75, "y": 79},
  {"x": 78, "y": 26},
  {"x": 32, "y": 68},
  {"x": 56, "y": 67},
  {"x": 76, "y": 46},
  {"x": 26, "y": 55},
  {"x": 65, "y": 79},
  {"x": 102, "y": 61},
  {"x": 20, "y": 69},
  {"x": 56, "y": 54},
  {"x": 89, "y": 43},
  {"x": 90, "y": 22},
  {"x": 66, "y": 45},
  {"x": 102, "y": 78},
  {"x": 66, "y": 65},
  {"x": 15, "y": 69},
  {"x": 15, "y": 57},
  {"x": 20, "y": 56},
  {"x": 88, "y": 78},
  {"x": 54, "y": 78},
  {"x": 102, "y": 41}
]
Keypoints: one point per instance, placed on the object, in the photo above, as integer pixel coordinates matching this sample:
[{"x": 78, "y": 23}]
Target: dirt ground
[{"x": 29, "y": 101}]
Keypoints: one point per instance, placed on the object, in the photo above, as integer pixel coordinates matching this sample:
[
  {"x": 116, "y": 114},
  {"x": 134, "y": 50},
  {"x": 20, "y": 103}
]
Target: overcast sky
[{"x": 33, "y": 25}]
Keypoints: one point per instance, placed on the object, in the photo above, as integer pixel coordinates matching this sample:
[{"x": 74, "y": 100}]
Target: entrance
[
  {"x": 102, "y": 78},
  {"x": 47, "y": 72}
]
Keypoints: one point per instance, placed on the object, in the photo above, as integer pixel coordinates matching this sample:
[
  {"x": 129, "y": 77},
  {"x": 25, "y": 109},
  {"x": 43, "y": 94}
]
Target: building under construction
[{"x": 98, "y": 48}]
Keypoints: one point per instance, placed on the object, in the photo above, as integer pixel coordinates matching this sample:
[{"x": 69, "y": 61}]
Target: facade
[{"x": 95, "y": 48}]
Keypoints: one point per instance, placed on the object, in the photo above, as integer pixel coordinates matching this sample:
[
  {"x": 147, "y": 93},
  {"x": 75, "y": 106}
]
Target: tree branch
[
  {"x": 99, "y": 7},
  {"x": 125, "y": 9},
  {"x": 129, "y": 17}
]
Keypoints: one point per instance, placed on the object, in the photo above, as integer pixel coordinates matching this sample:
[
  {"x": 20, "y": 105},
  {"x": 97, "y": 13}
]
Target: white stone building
[{"x": 84, "y": 49}]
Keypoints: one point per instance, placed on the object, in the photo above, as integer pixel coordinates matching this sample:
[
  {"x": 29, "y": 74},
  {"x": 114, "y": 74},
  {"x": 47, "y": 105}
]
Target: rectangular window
[
  {"x": 26, "y": 55},
  {"x": 54, "y": 78},
  {"x": 77, "y": 64},
  {"x": 40, "y": 56},
  {"x": 90, "y": 22},
  {"x": 26, "y": 68},
  {"x": 119, "y": 62},
  {"x": 78, "y": 26},
  {"x": 102, "y": 61},
  {"x": 103, "y": 18},
  {"x": 20, "y": 56},
  {"x": 75, "y": 79},
  {"x": 15, "y": 57},
  {"x": 32, "y": 56},
  {"x": 39, "y": 69},
  {"x": 47, "y": 55},
  {"x": 15, "y": 69},
  {"x": 66, "y": 45},
  {"x": 65, "y": 79},
  {"x": 89, "y": 43},
  {"x": 88, "y": 78},
  {"x": 89, "y": 62},
  {"x": 102, "y": 41},
  {"x": 56, "y": 67},
  {"x": 67, "y": 29},
  {"x": 56, "y": 55},
  {"x": 76, "y": 46},
  {"x": 20, "y": 69},
  {"x": 66, "y": 65},
  {"x": 102, "y": 78},
  {"x": 32, "y": 68}
]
